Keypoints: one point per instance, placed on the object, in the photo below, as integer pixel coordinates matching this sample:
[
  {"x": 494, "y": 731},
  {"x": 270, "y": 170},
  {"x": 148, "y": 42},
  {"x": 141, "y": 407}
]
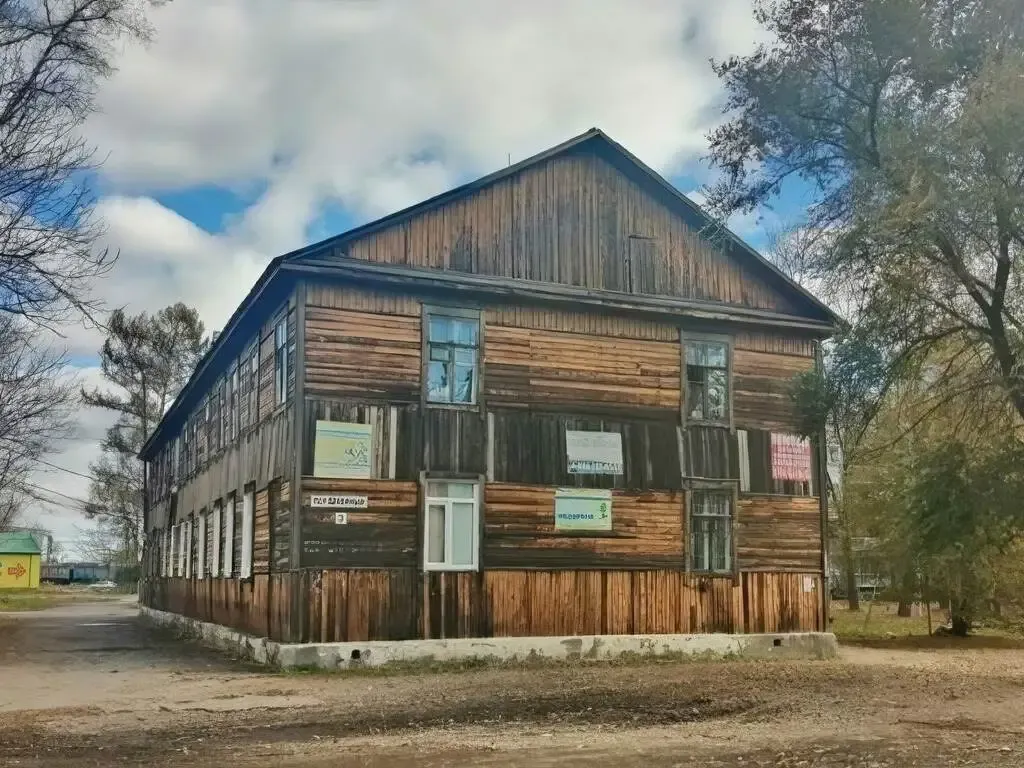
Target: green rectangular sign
[{"x": 583, "y": 509}]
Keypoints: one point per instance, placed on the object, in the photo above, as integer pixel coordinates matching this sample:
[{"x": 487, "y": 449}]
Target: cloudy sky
[{"x": 251, "y": 127}]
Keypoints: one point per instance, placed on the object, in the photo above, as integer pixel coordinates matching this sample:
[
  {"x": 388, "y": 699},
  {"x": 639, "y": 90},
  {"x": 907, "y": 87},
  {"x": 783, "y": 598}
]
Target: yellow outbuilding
[{"x": 19, "y": 561}]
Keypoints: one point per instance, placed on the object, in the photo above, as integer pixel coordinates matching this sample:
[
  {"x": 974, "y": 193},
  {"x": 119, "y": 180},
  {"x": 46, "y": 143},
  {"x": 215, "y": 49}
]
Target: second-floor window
[
  {"x": 281, "y": 360},
  {"x": 707, "y": 380},
  {"x": 452, "y": 362}
]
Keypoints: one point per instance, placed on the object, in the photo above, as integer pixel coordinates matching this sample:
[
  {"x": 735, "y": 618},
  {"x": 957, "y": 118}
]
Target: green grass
[
  {"x": 877, "y": 625},
  {"x": 18, "y": 600}
]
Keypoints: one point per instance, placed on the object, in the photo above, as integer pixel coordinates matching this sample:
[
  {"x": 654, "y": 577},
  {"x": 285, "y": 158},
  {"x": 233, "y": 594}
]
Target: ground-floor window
[
  {"x": 711, "y": 512},
  {"x": 451, "y": 526}
]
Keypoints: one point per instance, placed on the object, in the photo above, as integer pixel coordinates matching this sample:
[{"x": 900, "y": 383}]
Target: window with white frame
[
  {"x": 201, "y": 546},
  {"x": 451, "y": 526},
  {"x": 707, "y": 380},
  {"x": 247, "y": 534},
  {"x": 233, "y": 409},
  {"x": 185, "y": 549},
  {"x": 218, "y": 539},
  {"x": 711, "y": 530},
  {"x": 168, "y": 566},
  {"x": 254, "y": 386},
  {"x": 281, "y": 360},
  {"x": 228, "y": 537},
  {"x": 453, "y": 349}
]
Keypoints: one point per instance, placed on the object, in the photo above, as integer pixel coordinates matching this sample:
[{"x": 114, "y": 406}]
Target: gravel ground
[{"x": 87, "y": 686}]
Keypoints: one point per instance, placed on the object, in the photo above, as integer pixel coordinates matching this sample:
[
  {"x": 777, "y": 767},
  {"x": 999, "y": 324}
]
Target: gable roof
[
  {"x": 232, "y": 337},
  {"x": 19, "y": 543},
  {"x": 694, "y": 216}
]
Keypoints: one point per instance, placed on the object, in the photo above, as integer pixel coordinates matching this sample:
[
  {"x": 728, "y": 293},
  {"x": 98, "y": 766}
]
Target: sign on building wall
[
  {"x": 598, "y": 453},
  {"x": 343, "y": 449},
  {"x": 791, "y": 458},
  {"x": 583, "y": 509},
  {"x": 339, "y": 501}
]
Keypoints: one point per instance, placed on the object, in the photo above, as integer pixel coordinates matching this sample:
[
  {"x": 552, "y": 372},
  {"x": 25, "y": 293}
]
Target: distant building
[
  {"x": 78, "y": 573},
  {"x": 19, "y": 561}
]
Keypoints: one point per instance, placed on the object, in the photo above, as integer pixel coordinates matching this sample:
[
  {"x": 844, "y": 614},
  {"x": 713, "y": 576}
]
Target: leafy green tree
[
  {"x": 147, "y": 359},
  {"x": 903, "y": 119},
  {"x": 841, "y": 401}
]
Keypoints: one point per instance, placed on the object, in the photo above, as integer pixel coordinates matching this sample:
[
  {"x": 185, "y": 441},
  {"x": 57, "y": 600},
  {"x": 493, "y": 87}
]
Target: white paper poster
[{"x": 598, "y": 453}]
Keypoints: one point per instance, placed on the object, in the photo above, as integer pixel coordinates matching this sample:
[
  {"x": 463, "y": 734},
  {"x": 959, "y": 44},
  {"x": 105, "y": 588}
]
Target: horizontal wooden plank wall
[
  {"x": 371, "y": 356},
  {"x": 532, "y": 368},
  {"x": 570, "y": 220},
  {"x": 762, "y": 383},
  {"x": 519, "y": 531},
  {"x": 359, "y": 299},
  {"x": 384, "y": 535},
  {"x": 779, "y": 533}
]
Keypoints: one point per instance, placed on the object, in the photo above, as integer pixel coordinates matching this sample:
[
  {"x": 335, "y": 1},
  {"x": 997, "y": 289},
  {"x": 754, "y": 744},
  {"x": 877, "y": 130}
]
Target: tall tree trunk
[{"x": 850, "y": 569}]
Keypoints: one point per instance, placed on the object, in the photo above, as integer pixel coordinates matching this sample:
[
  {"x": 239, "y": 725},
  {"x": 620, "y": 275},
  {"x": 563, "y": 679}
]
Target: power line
[
  {"x": 69, "y": 471},
  {"x": 84, "y": 503}
]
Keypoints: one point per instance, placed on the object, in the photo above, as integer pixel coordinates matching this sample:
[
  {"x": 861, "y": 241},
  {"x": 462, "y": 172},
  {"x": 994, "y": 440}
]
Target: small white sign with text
[{"x": 338, "y": 501}]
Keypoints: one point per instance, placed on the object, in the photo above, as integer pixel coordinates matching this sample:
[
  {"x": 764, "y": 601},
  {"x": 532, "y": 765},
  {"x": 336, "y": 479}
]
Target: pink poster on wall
[{"x": 791, "y": 458}]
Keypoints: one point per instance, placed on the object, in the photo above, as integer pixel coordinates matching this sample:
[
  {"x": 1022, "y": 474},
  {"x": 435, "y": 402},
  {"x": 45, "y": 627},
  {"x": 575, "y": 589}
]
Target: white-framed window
[
  {"x": 168, "y": 564},
  {"x": 248, "y": 508},
  {"x": 711, "y": 517},
  {"x": 228, "y": 561},
  {"x": 218, "y": 539},
  {"x": 187, "y": 548},
  {"x": 451, "y": 530},
  {"x": 201, "y": 564},
  {"x": 281, "y": 360}
]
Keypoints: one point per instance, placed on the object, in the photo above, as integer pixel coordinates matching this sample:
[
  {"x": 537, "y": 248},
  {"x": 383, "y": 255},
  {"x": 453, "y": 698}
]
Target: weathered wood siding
[
  {"x": 364, "y": 355},
  {"x": 404, "y": 603},
  {"x": 575, "y": 219},
  {"x": 570, "y": 371},
  {"x": 762, "y": 384},
  {"x": 384, "y": 535},
  {"x": 529, "y": 447},
  {"x": 261, "y": 532},
  {"x": 779, "y": 533},
  {"x": 519, "y": 531}
]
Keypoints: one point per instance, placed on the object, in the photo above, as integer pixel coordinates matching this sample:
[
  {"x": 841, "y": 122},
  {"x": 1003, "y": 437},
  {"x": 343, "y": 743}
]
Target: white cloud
[
  {"x": 336, "y": 100},
  {"x": 369, "y": 105}
]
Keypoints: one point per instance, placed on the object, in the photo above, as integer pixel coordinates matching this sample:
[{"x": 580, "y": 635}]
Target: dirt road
[{"x": 88, "y": 686}]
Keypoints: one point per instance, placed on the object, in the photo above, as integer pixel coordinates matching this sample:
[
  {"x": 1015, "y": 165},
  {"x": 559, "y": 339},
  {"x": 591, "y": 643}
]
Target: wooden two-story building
[{"x": 551, "y": 401}]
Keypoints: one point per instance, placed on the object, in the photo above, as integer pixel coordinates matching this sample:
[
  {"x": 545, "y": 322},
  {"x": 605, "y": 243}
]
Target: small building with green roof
[{"x": 19, "y": 560}]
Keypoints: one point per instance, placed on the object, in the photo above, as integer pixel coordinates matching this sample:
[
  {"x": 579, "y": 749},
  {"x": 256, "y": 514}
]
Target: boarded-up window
[{"x": 644, "y": 269}]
